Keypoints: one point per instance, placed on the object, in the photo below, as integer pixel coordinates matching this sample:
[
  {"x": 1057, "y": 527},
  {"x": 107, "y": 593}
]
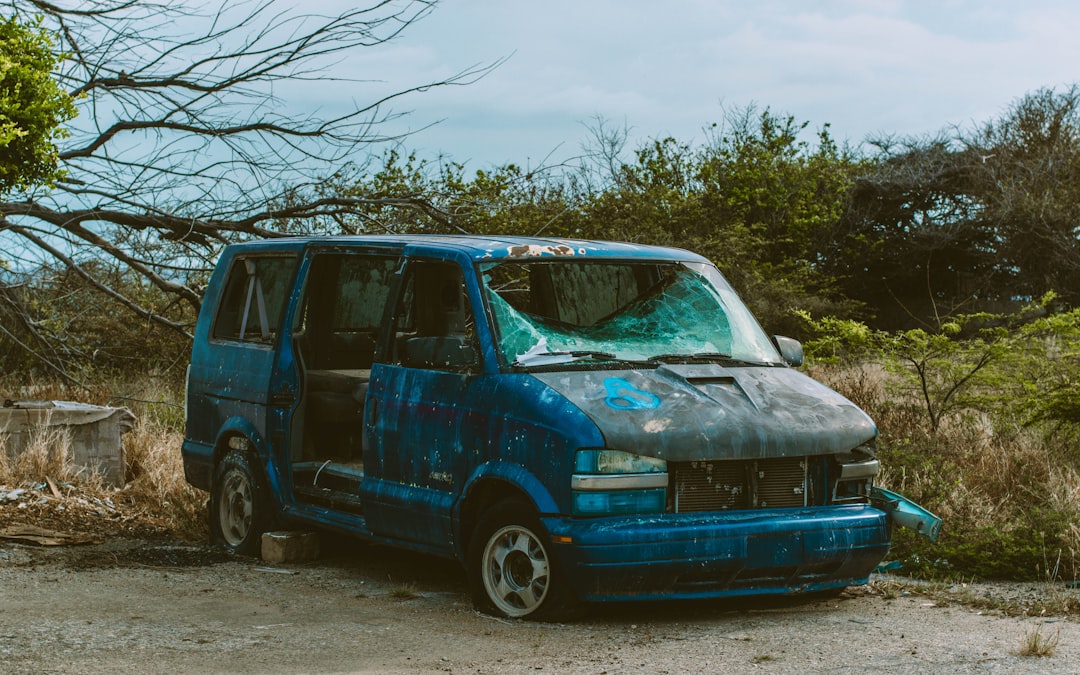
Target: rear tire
[
  {"x": 511, "y": 570},
  {"x": 239, "y": 506}
]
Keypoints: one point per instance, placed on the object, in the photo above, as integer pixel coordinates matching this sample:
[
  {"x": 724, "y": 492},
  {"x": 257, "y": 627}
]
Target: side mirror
[
  {"x": 448, "y": 352},
  {"x": 790, "y": 349}
]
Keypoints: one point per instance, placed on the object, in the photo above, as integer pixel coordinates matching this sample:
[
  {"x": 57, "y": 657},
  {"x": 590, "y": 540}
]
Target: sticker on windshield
[{"x": 624, "y": 396}]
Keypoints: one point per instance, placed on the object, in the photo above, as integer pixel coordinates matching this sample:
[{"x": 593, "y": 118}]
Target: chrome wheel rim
[
  {"x": 515, "y": 570},
  {"x": 235, "y": 509}
]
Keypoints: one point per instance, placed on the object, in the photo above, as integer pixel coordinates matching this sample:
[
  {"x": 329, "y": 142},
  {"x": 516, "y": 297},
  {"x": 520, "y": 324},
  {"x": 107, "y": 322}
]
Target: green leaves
[
  {"x": 33, "y": 107},
  {"x": 978, "y": 421}
]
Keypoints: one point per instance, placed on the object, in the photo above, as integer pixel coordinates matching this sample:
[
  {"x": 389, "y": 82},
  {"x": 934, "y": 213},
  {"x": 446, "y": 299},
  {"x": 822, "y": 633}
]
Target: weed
[
  {"x": 1037, "y": 644},
  {"x": 403, "y": 592}
]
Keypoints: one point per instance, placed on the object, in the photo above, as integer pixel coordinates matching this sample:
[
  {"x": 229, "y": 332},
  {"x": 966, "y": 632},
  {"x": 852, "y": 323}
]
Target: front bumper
[{"x": 730, "y": 553}]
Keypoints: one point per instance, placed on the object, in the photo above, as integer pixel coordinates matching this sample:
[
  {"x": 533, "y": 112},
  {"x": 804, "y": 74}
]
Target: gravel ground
[{"x": 158, "y": 607}]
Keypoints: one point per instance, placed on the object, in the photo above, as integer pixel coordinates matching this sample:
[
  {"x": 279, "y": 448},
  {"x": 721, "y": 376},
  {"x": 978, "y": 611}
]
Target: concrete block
[
  {"x": 290, "y": 546},
  {"x": 90, "y": 434}
]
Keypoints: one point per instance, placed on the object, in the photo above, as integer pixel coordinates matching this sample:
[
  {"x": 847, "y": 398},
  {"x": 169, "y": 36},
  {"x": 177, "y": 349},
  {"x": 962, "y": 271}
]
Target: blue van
[{"x": 571, "y": 420}]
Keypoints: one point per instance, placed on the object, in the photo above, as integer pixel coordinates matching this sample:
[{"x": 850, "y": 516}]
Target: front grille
[
  {"x": 710, "y": 486},
  {"x": 781, "y": 482},
  {"x": 724, "y": 485}
]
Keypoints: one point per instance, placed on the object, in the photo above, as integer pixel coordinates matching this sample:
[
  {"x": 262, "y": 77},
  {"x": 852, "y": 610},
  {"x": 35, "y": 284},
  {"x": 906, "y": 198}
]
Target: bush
[{"x": 976, "y": 424}]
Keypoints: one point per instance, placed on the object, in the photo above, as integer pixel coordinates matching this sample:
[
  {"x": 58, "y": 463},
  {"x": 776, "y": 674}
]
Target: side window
[
  {"x": 343, "y": 308},
  {"x": 433, "y": 322},
  {"x": 361, "y": 292},
  {"x": 254, "y": 298}
]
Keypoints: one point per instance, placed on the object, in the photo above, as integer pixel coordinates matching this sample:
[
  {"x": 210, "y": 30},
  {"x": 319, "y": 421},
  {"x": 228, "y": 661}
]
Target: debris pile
[{"x": 70, "y": 514}]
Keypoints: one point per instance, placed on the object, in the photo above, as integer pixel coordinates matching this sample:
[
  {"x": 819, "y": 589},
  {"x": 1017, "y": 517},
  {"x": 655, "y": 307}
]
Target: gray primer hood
[{"x": 708, "y": 411}]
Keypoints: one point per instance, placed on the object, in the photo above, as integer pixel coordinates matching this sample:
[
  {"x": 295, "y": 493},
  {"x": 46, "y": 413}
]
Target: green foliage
[
  {"x": 977, "y": 423},
  {"x": 506, "y": 200},
  {"x": 942, "y": 369},
  {"x": 834, "y": 340},
  {"x": 968, "y": 220},
  {"x": 1018, "y": 553},
  {"x": 757, "y": 199},
  {"x": 33, "y": 107}
]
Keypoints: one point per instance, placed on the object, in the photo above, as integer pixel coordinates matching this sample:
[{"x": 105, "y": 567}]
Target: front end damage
[
  {"x": 724, "y": 471},
  {"x": 903, "y": 512},
  {"x": 697, "y": 529}
]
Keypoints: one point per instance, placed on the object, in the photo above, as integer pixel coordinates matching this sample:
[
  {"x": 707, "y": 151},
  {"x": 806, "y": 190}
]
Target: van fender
[
  {"x": 514, "y": 477},
  {"x": 256, "y": 445}
]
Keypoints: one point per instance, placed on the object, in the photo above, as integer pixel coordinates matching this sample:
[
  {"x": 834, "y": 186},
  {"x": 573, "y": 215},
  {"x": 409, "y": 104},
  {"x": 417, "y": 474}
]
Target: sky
[{"x": 865, "y": 67}]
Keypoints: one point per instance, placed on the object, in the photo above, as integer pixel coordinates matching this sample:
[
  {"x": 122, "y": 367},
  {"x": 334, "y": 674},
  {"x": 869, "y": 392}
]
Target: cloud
[{"x": 863, "y": 66}]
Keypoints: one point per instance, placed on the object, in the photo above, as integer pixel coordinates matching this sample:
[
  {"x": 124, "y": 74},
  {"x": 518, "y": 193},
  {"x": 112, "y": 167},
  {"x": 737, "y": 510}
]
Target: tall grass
[
  {"x": 1008, "y": 493},
  {"x": 47, "y": 455}
]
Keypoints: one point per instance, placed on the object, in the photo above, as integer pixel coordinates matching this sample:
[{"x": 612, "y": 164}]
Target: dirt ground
[{"x": 158, "y": 607}]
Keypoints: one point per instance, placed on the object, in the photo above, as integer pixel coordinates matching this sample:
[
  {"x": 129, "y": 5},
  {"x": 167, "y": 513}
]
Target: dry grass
[
  {"x": 981, "y": 471},
  {"x": 156, "y": 478},
  {"x": 45, "y": 455},
  {"x": 1035, "y": 643},
  {"x": 1020, "y": 599},
  {"x": 155, "y": 497}
]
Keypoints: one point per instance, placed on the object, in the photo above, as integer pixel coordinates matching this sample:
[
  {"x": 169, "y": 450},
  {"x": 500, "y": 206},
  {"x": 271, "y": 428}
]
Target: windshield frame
[{"x": 599, "y": 354}]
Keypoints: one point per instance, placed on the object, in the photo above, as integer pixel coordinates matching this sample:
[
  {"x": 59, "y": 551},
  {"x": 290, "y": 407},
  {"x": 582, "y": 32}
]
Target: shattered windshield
[{"x": 563, "y": 311}]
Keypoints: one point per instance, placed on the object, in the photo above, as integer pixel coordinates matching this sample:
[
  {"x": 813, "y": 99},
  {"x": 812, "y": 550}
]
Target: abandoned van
[{"x": 571, "y": 420}]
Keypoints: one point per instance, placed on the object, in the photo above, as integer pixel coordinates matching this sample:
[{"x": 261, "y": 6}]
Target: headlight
[
  {"x": 616, "y": 461},
  {"x": 613, "y": 482}
]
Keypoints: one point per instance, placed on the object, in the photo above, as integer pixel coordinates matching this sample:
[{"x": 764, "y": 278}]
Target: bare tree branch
[{"x": 187, "y": 138}]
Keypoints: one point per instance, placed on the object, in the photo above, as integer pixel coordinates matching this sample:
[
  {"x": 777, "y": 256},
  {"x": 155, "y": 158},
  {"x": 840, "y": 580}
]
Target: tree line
[{"x": 179, "y": 148}]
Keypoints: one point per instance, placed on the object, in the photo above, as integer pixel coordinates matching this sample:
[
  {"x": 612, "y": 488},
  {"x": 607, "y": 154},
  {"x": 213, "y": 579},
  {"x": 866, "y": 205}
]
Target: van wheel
[
  {"x": 238, "y": 511},
  {"x": 511, "y": 570}
]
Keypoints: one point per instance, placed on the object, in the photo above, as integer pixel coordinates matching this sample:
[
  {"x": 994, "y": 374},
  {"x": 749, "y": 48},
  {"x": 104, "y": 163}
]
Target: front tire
[
  {"x": 238, "y": 506},
  {"x": 512, "y": 572}
]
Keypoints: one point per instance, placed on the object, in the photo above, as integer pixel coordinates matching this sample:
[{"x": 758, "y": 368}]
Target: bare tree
[{"x": 184, "y": 141}]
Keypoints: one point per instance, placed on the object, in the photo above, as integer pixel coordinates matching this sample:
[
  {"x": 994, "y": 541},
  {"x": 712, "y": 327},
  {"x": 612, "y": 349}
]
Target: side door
[
  {"x": 339, "y": 311},
  {"x": 421, "y": 421},
  {"x": 235, "y": 369}
]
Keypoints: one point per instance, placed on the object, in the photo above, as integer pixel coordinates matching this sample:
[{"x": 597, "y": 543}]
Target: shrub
[{"x": 976, "y": 425}]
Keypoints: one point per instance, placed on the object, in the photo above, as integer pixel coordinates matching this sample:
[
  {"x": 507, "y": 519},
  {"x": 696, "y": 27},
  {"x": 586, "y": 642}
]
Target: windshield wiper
[
  {"x": 692, "y": 358},
  {"x": 547, "y": 358},
  {"x": 707, "y": 357}
]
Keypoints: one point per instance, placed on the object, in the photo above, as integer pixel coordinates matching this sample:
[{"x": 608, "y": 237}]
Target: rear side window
[
  {"x": 343, "y": 309},
  {"x": 255, "y": 296}
]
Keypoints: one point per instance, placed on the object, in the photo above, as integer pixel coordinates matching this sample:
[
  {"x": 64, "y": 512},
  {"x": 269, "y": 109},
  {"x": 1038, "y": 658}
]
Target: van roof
[{"x": 479, "y": 248}]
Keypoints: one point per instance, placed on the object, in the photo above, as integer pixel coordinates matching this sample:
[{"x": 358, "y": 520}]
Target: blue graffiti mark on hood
[
  {"x": 623, "y": 396},
  {"x": 709, "y": 411}
]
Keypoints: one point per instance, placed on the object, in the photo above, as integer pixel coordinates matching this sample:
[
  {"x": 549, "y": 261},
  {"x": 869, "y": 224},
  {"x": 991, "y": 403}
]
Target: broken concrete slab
[{"x": 94, "y": 432}]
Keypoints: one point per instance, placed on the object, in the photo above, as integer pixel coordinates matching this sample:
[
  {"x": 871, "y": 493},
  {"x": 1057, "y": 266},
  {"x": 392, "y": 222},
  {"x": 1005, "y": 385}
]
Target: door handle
[
  {"x": 282, "y": 399},
  {"x": 372, "y": 412}
]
